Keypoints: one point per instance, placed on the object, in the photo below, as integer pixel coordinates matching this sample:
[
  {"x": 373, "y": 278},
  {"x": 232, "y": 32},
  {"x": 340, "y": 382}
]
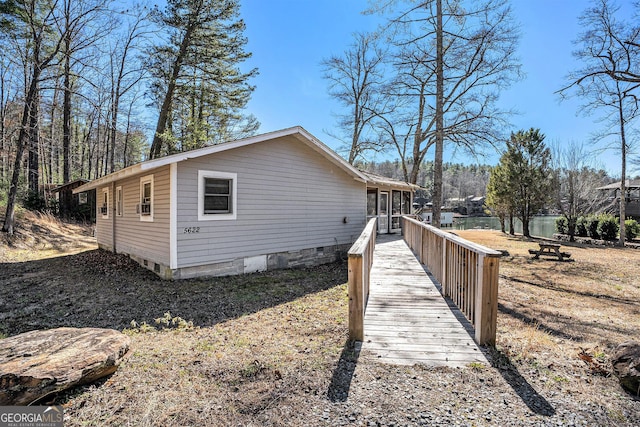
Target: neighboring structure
[
  {"x": 612, "y": 195},
  {"x": 471, "y": 205},
  {"x": 276, "y": 200},
  {"x": 81, "y": 206}
]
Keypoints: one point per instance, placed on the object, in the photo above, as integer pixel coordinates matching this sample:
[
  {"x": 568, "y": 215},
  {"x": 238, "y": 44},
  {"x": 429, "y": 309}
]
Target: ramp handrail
[{"x": 468, "y": 273}]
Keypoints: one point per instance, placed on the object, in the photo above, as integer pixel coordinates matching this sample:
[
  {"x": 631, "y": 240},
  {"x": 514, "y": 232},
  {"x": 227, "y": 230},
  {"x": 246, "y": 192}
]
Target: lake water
[{"x": 543, "y": 226}]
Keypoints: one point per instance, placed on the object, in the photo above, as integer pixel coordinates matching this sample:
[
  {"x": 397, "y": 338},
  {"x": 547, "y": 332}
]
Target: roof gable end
[{"x": 298, "y": 132}]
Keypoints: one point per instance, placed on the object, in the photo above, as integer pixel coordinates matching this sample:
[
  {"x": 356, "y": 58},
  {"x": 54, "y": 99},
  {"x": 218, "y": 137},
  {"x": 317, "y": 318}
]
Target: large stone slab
[
  {"x": 626, "y": 366},
  {"x": 38, "y": 363}
]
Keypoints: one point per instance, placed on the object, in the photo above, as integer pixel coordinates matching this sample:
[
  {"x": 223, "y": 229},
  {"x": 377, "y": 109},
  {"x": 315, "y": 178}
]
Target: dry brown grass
[
  {"x": 271, "y": 349},
  {"x": 40, "y": 235},
  {"x": 558, "y": 309}
]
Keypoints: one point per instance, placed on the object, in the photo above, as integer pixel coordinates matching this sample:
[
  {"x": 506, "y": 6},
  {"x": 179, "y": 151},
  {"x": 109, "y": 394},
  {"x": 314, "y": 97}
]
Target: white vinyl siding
[
  {"x": 134, "y": 236},
  {"x": 104, "y": 234},
  {"x": 289, "y": 197}
]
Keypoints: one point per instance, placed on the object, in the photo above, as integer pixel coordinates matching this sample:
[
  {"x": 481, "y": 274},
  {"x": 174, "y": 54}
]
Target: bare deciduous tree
[
  {"x": 609, "y": 50},
  {"x": 452, "y": 60},
  {"x": 576, "y": 193},
  {"x": 33, "y": 23},
  {"x": 355, "y": 79}
]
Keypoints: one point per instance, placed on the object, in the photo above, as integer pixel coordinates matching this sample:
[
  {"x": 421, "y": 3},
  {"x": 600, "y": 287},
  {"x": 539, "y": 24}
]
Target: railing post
[
  {"x": 359, "y": 271},
  {"x": 356, "y": 298},
  {"x": 486, "y": 313}
]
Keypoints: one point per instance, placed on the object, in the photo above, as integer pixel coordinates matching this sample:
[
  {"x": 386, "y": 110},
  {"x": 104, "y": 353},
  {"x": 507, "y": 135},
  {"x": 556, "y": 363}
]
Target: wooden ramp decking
[{"x": 407, "y": 320}]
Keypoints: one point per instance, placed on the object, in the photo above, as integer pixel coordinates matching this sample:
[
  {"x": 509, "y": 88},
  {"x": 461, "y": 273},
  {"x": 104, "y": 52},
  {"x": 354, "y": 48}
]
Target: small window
[
  {"x": 146, "y": 198},
  {"x": 216, "y": 195},
  {"x": 104, "y": 206},
  {"x": 119, "y": 202}
]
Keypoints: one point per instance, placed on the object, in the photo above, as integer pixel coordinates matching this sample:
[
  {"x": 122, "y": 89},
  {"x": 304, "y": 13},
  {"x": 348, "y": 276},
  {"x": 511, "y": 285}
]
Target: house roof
[
  {"x": 72, "y": 184},
  {"x": 376, "y": 179},
  {"x": 297, "y": 132},
  {"x": 633, "y": 183}
]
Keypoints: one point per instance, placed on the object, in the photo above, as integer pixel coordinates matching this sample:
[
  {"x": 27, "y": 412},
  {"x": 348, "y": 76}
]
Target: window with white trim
[
  {"x": 146, "y": 198},
  {"x": 217, "y": 195},
  {"x": 119, "y": 201},
  {"x": 104, "y": 205}
]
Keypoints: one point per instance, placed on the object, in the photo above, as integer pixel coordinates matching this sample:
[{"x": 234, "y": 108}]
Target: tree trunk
[
  {"x": 437, "y": 169},
  {"x": 156, "y": 145},
  {"x": 114, "y": 124},
  {"x": 623, "y": 183},
  {"x": 29, "y": 105},
  {"x": 525, "y": 228},
  {"x": 34, "y": 146},
  {"x": 66, "y": 112},
  {"x": 512, "y": 228}
]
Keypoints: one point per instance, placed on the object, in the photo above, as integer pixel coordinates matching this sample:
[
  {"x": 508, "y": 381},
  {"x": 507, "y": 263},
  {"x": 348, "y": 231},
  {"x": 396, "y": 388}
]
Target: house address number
[{"x": 189, "y": 230}]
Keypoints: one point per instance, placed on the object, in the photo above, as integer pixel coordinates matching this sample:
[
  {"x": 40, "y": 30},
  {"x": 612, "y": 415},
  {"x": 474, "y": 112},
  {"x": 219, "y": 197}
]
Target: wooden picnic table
[{"x": 549, "y": 249}]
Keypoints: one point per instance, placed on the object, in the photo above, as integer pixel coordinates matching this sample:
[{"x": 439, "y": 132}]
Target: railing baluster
[{"x": 468, "y": 273}]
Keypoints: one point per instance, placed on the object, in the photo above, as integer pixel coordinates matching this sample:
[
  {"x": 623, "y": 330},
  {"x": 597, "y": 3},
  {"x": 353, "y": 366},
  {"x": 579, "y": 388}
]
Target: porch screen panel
[
  {"x": 396, "y": 209},
  {"x": 372, "y": 203},
  {"x": 406, "y": 203}
]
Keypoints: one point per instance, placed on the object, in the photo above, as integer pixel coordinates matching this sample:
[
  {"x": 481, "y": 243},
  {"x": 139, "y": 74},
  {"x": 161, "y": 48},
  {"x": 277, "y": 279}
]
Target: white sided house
[{"x": 277, "y": 200}]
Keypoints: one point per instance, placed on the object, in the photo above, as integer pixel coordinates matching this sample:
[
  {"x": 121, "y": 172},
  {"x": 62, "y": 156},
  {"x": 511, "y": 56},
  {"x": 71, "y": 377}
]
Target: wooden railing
[
  {"x": 360, "y": 260},
  {"x": 468, "y": 273}
]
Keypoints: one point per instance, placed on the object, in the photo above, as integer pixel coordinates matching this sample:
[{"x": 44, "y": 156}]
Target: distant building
[
  {"x": 612, "y": 198},
  {"x": 79, "y": 206},
  {"x": 471, "y": 205}
]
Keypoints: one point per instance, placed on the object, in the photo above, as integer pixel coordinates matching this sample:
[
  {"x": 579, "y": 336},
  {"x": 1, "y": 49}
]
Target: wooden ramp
[{"x": 407, "y": 320}]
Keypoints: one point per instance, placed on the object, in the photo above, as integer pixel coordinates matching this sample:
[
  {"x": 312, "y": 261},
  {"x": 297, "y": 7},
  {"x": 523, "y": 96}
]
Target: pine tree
[
  {"x": 529, "y": 175},
  {"x": 197, "y": 79}
]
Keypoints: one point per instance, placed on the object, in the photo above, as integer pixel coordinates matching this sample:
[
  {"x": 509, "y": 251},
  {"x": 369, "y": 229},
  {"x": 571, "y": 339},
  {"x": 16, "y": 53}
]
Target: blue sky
[{"x": 289, "y": 39}]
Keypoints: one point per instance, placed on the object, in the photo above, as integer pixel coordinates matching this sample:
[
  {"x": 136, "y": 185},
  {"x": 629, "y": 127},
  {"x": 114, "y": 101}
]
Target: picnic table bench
[{"x": 549, "y": 249}]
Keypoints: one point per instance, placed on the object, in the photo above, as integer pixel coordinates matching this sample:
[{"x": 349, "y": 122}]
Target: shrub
[
  {"x": 608, "y": 227},
  {"x": 631, "y": 229},
  {"x": 34, "y": 201},
  {"x": 562, "y": 225},
  {"x": 581, "y": 227},
  {"x": 591, "y": 224}
]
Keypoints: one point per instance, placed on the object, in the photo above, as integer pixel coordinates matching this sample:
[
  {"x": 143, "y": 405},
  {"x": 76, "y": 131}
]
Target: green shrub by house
[
  {"x": 591, "y": 224},
  {"x": 608, "y": 227},
  {"x": 631, "y": 229},
  {"x": 562, "y": 225},
  {"x": 581, "y": 227}
]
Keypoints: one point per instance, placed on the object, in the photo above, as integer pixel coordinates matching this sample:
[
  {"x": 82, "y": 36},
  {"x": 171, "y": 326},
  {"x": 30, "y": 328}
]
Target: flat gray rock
[{"x": 38, "y": 363}]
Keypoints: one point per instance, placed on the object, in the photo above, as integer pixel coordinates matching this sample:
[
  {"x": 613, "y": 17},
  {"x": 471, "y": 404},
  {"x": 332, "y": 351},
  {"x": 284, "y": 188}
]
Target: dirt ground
[{"x": 272, "y": 349}]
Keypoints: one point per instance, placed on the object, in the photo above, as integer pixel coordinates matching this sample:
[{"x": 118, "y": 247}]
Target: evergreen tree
[
  {"x": 499, "y": 197},
  {"x": 529, "y": 176},
  {"x": 197, "y": 80}
]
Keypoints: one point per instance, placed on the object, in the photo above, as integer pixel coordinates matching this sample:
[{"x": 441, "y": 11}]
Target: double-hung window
[
  {"x": 119, "y": 201},
  {"x": 104, "y": 206},
  {"x": 217, "y": 195},
  {"x": 146, "y": 198}
]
